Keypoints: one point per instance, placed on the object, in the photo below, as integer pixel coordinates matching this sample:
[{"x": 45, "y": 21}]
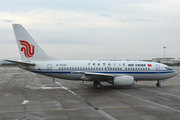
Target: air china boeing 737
[{"x": 117, "y": 73}]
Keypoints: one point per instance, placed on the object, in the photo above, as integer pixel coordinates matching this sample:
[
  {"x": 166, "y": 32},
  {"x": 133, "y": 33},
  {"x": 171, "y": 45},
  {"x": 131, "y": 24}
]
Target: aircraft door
[
  {"x": 49, "y": 68},
  {"x": 157, "y": 69},
  {"x": 108, "y": 69}
]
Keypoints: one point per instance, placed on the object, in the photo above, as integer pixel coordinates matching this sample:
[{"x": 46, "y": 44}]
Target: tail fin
[{"x": 28, "y": 48}]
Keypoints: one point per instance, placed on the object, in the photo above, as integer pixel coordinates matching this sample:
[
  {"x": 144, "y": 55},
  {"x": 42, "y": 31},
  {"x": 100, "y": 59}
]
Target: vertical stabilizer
[{"x": 28, "y": 48}]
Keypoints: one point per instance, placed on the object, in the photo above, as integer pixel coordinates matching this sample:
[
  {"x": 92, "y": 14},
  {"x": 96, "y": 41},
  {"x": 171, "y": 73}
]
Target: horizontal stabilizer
[{"x": 21, "y": 62}]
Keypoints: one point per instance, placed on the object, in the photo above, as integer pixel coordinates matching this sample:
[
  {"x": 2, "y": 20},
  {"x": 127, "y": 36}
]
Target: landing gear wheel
[
  {"x": 95, "y": 83},
  {"x": 158, "y": 84},
  {"x": 98, "y": 86}
]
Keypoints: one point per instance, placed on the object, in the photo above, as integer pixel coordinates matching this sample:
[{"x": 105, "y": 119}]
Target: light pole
[{"x": 164, "y": 51}]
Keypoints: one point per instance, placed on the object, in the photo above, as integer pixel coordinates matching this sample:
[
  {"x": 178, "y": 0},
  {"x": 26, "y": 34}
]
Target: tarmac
[{"x": 28, "y": 96}]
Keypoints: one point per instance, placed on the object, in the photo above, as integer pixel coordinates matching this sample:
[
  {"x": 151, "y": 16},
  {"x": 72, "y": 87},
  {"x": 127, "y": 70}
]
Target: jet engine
[{"x": 123, "y": 81}]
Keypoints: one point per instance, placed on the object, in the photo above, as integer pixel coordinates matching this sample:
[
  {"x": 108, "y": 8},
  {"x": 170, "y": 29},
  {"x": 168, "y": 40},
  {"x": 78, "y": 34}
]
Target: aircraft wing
[
  {"x": 91, "y": 76},
  {"x": 21, "y": 62},
  {"x": 99, "y": 74}
]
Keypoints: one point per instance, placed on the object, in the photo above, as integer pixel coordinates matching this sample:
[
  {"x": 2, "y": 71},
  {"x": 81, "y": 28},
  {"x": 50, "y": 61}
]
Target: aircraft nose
[{"x": 174, "y": 73}]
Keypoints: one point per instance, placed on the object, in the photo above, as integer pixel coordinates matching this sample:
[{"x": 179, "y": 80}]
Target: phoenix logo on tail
[{"x": 28, "y": 49}]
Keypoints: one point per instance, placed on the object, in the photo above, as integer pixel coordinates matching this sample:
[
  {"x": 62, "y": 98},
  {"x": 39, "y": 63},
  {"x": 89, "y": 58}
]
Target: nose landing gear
[{"x": 158, "y": 84}]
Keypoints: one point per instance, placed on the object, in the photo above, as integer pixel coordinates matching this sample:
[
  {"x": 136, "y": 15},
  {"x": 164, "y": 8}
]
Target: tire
[
  {"x": 98, "y": 86},
  {"x": 95, "y": 83},
  {"x": 158, "y": 84}
]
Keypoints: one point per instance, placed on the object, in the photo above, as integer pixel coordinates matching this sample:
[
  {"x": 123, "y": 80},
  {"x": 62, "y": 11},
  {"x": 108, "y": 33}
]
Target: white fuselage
[{"x": 67, "y": 69}]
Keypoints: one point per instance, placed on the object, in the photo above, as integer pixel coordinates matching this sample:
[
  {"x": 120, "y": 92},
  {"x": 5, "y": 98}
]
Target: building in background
[
  {"x": 166, "y": 60},
  {"x": 147, "y": 60}
]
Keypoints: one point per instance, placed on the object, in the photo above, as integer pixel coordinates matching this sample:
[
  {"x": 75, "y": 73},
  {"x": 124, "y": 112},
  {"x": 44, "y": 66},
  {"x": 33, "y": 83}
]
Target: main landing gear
[
  {"x": 158, "y": 84},
  {"x": 97, "y": 84}
]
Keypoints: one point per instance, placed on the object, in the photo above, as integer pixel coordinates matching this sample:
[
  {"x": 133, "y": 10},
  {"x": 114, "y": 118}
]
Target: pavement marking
[
  {"x": 138, "y": 106},
  {"x": 73, "y": 109},
  {"x": 45, "y": 88},
  {"x": 92, "y": 105},
  {"x": 25, "y": 101},
  {"x": 48, "y": 84},
  {"x": 162, "y": 93},
  {"x": 149, "y": 101},
  {"x": 163, "y": 98}
]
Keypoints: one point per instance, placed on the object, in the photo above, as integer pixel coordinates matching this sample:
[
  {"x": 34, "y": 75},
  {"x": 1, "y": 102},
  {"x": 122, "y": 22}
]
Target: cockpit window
[{"x": 167, "y": 68}]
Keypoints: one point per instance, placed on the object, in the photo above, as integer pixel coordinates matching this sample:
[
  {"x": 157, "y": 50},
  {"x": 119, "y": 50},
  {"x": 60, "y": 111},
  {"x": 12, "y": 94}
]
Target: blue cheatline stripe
[{"x": 111, "y": 72}]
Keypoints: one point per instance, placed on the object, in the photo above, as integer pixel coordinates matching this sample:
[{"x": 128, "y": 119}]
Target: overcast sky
[{"x": 94, "y": 29}]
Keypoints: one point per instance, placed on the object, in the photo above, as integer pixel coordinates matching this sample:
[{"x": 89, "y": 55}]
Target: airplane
[{"x": 117, "y": 73}]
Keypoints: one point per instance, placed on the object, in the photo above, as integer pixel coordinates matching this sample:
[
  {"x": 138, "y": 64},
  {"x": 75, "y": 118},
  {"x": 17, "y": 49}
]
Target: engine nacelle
[{"x": 123, "y": 81}]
